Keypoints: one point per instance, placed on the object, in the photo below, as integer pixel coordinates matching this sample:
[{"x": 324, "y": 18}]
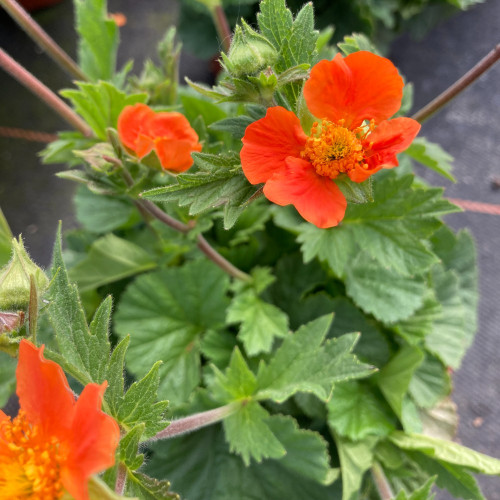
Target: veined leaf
[
  {"x": 431, "y": 155},
  {"x": 5, "y": 240},
  {"x": 98, "y": 43},
  {"x": 275, "y": 21},
  {"x": 167, "y": 311},
  {"x": 148, "y": 488},
  {"x": 100, "y": 104},
  {"x": 423, "y": 493}
]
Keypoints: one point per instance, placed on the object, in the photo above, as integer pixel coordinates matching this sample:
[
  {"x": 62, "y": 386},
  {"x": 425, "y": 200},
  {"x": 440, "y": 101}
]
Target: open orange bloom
[
  {"x": 54, "y": 444},
  {"x": 169, "y": 134},
  {"x": 352, "y": 97}
]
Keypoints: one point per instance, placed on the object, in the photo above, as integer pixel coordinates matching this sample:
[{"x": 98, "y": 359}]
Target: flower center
[
  {"x": 29, "y": 465},
  {"x": 333, "y": 149}
]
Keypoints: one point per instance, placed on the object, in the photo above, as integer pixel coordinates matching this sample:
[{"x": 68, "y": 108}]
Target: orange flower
[
  {"x": 353, "y": 97},
  {"x": 54, "y": 444},
  {"x": 169, "y": 134}
]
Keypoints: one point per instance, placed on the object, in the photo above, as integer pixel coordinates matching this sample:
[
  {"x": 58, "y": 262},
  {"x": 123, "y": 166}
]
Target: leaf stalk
[{"x": 381, "y": 482}]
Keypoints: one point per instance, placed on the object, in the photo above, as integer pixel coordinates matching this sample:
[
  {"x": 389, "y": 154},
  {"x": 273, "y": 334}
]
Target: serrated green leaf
[
  {"x": 356, "y": 42},
  {"x": 249, "y": 435},
  {"x": 217, "y": 346},
  {"x": 261, "y": 322},
  {"x": 101, "y": 214},
  {"x": 201, "y": 468},
  {"x": 355, "y": 412},
  {"x": 275, "y": 21},
  {"x": 430, "y": 383},
  {"x": 61, "y": 150},
  {"x": 148, "y": 488},
  {"x": 110, "y": 259},
  {"x": 447, "y": 451},
  {"x": 5, "y": 240},
  {"x": 235, "y": 126},
  {"x": 139, "y": 404},
  {"x": 167, "y": 311},
  {"x": 100, "y": 104},
  {"x": 304, "y": 363},
  {"x": 7, "y": 377},
  {"x": 423, "y": 493},
  {"x": 356, "y": 192},
  {"x": 431, "y": 155},
  {"x": 381, "y": 292},
  {"x": 447, "y": 340},
  {"x": 98, "y": 42},
  {"x": 355, "y": 459},
  {"x": 115, "y": 377},
  {"x": 129, "y": 446},
  {"x": 394, "y": 378}
]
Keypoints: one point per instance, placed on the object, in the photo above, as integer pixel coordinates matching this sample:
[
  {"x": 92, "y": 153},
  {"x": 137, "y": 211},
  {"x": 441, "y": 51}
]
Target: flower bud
[
  {"x": 250, "y": 52},
  {"x": 15, "y": 279}
]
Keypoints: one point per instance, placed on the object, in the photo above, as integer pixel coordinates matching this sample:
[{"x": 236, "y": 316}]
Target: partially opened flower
[
  {"x": 168, "y": 134},
  {"x": 352, "y": 97},
  {"x": 55, "y": 443}
]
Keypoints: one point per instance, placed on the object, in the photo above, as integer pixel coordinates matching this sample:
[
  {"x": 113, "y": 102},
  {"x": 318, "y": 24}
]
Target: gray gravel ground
[{"x": 33, "y": 199}]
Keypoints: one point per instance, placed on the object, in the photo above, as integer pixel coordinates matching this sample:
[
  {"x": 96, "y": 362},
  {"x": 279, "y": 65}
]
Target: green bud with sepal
[
  {"x": 250, "y": 52},
  {"x": 15, "y": 279}
]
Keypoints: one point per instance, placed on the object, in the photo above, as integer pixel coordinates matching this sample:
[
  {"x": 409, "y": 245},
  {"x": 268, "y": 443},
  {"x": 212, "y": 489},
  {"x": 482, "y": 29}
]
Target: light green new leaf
[
  {"x": 148, "y": 488},
  {"x": 275, "y": 21},
  {"x": 304, "y": 363},
  {"x": 356, "y": 42},
  {"x": 355, "y": 459},
  {"x": 129, "y": 447},
  {"x": 201, "y": 467},
  {"x": 166, "y": 312},
  {"x": 380, "y": 291},
  {"x": 423, "y": 493},
  {"x": 249, "y": 435},
  {"x": 7, "y": 377},
  {"x": 447, "y": 451},
  {"x": 5, "y": 240},
  {"x": 261, "y": 322},
  {"x": 355, "y": 412},
  {"x": 394, "y": 378},
  {"x": 110, "y": 259},
  {"x": 100, "y": 104},
  {"x": 431, "y": 155},
  {"x": 99, "y": 213},
  {"x": 98, "y": 42}
]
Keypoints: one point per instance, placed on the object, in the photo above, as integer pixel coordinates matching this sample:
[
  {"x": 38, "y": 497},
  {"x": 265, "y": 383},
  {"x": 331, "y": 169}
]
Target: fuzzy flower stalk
[
  {"x": 352, "y": 99},
  {"x": 55, "y": 444}
]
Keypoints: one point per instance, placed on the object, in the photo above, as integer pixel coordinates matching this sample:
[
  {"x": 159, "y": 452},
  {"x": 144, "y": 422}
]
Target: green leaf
[
  {"x": 381, "y": 292},
  {"x": 430, "y": 383},
  {"x": 148, "y": 488},
  {"x": 447, "y": 340},
  {"x": 356, "y": 192},
  {"x": 356, "y": 42},
  {"x": 5, "y": 240},
  {"x": 101, "y": 214},
  {"x": 236, "y": 126},
  {"x": 201, "y": 467},
  {"x": 304, "y": 363},
  {"x": 217, "y": 346},
  {"x": 100, "y": 104},
  {"x": 139, "y": 405},
  {"x": 355, "y": 412},
  {"x": 167, "y": 311},
  {"x": 431, "y": 155},
  {"x": 61, "y": 150},
  {"x": 249, "y": 435},
  {"x": 355, "y": 459},
  {"x": 129, "y": 446},
  {"x": 447, "y": 451},
  {"x": 220, "y": 181},
  {"x": 423, "y": 493},
  {"x": 394, "y": 378},
  {"x": 260, "y": 322},
  {"x": 98, "y": 42},
  {"x": 275, "y": 21},
  {"x": 110, "y": 259},
  {"x": 7, "y": 377}
]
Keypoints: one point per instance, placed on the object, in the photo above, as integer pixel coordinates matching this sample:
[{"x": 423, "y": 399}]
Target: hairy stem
[
  {"x": 222, "y": 26},
  {"x": 441, "y": 100},
  {"x": 32, "y": 83},
  {"x": 42, "y": 39},
  {"x": 121, "y": 479},
  {"x": 196, "y": 421},
  {"x": 381, "y": 482}
]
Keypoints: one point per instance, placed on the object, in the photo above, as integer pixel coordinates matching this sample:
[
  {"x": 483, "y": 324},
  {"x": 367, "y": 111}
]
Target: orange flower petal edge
[
  {"x": 352, "y": 97},
  {"x": 142, "y": 130},
  {"x": 55, "y": 443}
]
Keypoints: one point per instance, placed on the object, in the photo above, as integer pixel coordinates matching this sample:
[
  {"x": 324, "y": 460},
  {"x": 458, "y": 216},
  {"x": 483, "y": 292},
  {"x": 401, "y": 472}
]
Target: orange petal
[
  {"x": 171, "y": 125},
  {"x": 361, "y": 86},
  {"x": 318, "y": 199},
  {"x": 133, "y": 120},
  {"x": 268, "y": 142},
  {"x": 175, "y": 154},
  {"x": 383, "y": 144},
  {"x": 92, "y": 442},
  {"x": 43, "y": 390}
]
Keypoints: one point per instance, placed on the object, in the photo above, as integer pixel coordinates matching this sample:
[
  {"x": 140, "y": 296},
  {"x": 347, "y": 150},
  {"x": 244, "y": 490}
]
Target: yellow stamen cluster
[
  {"x": 29, "y": 465},
  {"x": 333, "y": 149}
]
